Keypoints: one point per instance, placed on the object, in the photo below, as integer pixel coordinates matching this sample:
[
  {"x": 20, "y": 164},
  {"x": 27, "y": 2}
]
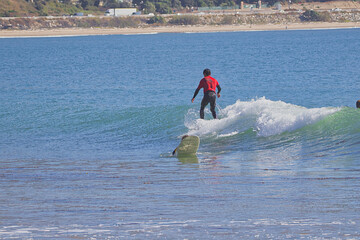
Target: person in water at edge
[
  {"x": 209, "y": 84},
  {"x": 358, "y": 104}
]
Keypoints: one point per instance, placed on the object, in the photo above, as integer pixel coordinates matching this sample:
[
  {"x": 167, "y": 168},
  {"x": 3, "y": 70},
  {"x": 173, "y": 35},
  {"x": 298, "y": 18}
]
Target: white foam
[
  {"x": 266, "y": 117},
  {"x": 16, "y": 231},
  {"x": 228, "y": 134}
]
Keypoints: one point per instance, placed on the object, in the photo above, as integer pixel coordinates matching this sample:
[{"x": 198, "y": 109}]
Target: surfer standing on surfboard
[{"x": 209, "y": 84}]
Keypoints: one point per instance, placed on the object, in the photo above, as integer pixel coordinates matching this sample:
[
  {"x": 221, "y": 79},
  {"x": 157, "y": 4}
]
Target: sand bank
[{"x": 173, "y": 29}]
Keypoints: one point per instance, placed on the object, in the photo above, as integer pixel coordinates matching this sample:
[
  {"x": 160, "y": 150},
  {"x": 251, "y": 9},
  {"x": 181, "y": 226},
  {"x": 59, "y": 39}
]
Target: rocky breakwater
[{"x": 168, "y": 20}]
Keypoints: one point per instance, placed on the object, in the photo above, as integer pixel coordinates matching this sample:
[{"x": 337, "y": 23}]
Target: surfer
[
  {"x": 209, "y": 84},
  {"x": 358, "y": 104}
]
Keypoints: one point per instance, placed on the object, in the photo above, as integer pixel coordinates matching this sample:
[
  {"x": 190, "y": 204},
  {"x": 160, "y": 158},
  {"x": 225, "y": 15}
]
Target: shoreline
[{"x": 62, "y": 32}]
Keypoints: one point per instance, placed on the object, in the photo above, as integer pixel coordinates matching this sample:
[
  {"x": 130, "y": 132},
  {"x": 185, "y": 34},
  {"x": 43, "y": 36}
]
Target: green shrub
[
  {"x": 122, "y": 22},
  {"x": 5, "y": 14},
  {"x": 310, "y": 16},
  {"x": 185, "y": 20},
  {"x": 149, "y": 7},
  {"x": 163, "y": 8},
  {"x": 325, "y": 17},
  {"x": 313, "y": 16},
  {"x": 65, "y": 23},
  {"x": 82, "y": 23},
  {"x": 228, "y": 19},
  {"x": 156, "y": 19}
]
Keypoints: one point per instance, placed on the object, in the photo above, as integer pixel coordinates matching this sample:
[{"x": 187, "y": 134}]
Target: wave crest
[{"x": 263, "y": 116}]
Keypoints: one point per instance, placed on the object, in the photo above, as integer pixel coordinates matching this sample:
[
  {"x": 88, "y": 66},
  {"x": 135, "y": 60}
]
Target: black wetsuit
[{"x": 209, "y": 95}]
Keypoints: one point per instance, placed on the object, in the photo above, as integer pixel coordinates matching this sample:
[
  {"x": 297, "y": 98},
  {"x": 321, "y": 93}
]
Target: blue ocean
[{"x": 88, "y": 125}]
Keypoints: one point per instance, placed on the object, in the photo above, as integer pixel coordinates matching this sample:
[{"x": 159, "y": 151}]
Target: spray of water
[{"x": 264, "y": 116}]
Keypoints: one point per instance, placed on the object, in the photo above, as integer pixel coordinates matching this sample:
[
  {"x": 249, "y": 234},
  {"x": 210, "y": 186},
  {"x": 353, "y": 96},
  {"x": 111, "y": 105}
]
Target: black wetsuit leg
[{"x": 209, "y": 97}]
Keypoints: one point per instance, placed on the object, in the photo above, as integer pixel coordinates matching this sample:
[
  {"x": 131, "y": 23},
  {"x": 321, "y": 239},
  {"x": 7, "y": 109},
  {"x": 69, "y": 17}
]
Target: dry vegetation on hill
[
  {"x": 24, "y": 8},
  {"x": 17, "y": 8}
]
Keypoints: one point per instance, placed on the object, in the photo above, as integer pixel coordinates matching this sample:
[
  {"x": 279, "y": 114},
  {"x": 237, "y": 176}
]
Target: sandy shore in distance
[{"x": 174, "y": 29}]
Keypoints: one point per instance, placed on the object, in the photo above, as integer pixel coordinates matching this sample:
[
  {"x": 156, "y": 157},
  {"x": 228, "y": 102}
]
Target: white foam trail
[
  {"x": 266, "y": 117},
  {"x": 228, "y": 134}
]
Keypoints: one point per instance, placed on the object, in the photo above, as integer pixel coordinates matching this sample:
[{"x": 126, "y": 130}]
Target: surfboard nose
[{"x": 188, "y": 145}]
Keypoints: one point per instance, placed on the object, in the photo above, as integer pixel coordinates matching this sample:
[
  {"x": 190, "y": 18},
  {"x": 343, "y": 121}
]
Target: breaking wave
[{"x": 263, "y": 116}]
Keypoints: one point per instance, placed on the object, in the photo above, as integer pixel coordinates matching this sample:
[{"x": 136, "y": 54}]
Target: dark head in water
[
  {"x": 358, "y": 104},
  {"x": 206, "y": 72}
]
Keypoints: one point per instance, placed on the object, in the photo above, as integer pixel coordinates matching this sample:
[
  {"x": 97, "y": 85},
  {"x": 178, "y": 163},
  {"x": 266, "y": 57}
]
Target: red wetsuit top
[{"x": 208, "y": 84}]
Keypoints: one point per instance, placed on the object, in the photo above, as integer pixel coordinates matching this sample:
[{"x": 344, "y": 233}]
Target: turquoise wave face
[
  {"x": 262, "y": 125},
  {"x": 264, "y": 116},
  {"x": 242, "y": 126}
]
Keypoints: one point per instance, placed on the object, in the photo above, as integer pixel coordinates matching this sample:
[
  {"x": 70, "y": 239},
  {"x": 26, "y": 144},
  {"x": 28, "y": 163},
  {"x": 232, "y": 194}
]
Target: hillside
[
  {"x": 23, "y": 8},
  {"x": 15, "y": 8},
  {"x": 345, "y": 5}
]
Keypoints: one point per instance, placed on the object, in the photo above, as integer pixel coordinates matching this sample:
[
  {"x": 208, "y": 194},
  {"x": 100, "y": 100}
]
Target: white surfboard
[{"x": 188, "y": 145}]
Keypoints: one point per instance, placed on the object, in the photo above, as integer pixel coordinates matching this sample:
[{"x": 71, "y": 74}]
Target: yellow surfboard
[{"x": 188, "y": 145}]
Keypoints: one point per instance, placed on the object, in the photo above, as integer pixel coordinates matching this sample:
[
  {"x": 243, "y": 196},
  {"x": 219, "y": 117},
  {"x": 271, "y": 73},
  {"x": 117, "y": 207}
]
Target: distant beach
[{"x": 174, "y": 29}]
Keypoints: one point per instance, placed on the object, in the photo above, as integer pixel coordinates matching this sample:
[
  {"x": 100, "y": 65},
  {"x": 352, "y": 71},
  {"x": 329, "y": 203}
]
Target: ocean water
[{"x": 88, "y": 124}]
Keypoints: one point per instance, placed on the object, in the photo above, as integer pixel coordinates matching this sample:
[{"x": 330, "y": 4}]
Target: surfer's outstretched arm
[
  {"x": 219, "y": 90},
  {"x": 195, "y": 93}
]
